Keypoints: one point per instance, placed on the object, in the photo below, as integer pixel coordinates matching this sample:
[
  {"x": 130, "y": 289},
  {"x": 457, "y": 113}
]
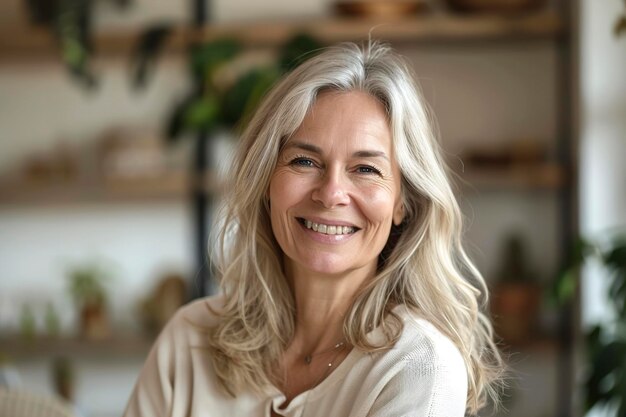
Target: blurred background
[{"x": 117, "y": 119}]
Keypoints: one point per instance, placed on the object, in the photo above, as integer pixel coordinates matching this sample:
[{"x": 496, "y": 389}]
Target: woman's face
[{"x": 336, "y": 188}]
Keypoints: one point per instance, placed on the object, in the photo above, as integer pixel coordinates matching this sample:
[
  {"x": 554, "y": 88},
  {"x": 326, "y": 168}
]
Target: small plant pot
[
  {"x": 515, "y": 307},
  {"x": 94, "y": 321}
]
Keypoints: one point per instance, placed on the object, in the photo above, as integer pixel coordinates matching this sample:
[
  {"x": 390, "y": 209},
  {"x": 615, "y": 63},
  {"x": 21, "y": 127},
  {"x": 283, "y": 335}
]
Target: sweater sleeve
[
  {"x": 152, "y": 395},
  {"x": 430, "y": 381}
]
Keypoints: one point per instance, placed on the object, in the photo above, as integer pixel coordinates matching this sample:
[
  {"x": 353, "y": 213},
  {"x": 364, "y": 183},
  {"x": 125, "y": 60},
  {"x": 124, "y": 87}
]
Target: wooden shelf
[
  {"x": 424, "y": 28},
  {"x": 548, "y": 176},
  {"x": 170, "y": 187},
  {"x": 177, "y": 186},
  {"x": 27, "y": 42},
  {"x": 123, "y": 345}
]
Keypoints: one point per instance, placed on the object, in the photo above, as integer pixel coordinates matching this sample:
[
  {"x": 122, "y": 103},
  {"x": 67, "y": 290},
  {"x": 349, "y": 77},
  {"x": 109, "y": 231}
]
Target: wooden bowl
[
  {"x": 380, "y": 8},
  {"x": 496, "y": 6}
]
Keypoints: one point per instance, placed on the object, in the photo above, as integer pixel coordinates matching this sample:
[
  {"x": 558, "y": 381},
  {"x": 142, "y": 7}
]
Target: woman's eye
[
  {"x": 302, "y": 162},
  {"x": 366, "y": 169}
]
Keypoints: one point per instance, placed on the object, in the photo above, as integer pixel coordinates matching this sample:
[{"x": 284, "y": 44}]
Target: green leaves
[
  {"x": 615, "y": 261},
  {"x": 70, "y": 23},
  {"x": 214, "y": 103},
  {"x": 297, "y": 50},
  {"x": 73, "y": 31},
  {"x": 202, "y": 113},
  {"x": 205, "y": 58},
  {"x": 87, "y": 283},
  {"x": 606, "y": 342},
  {"x": 243, "y": 98},
  {"x": 566, "y": 284},
  {"x": 149, "y": 47},
  {"x": 606, "y": 383}
]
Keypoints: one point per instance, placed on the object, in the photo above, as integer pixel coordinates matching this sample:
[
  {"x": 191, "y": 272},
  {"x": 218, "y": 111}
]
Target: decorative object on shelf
[
  {"x": 87, "y": 288},
  {"x": 380, "y": 8},
  {"x": 522, "y": 152},
  {"x": 59, "y": 164},
  {"x": 521, "y": 163},
  {"x": 496, "y": 6},
  {"x": 516, "y": 296},
  {"x": 170, "y": 293},
  {"x": 124, "y": 153},
  {"x": 606, "y": 341},
  {"x": 124, "y": 163}
]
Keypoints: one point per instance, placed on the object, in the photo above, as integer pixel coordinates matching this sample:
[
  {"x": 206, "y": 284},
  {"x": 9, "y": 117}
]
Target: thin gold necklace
[
  {"x": 339, "y": 347},
  {"x": 309, "y": 358}
]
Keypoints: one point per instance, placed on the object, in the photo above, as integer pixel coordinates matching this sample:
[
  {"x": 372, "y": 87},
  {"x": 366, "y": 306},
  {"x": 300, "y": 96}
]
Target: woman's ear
[{"x": 398, "y": 213}]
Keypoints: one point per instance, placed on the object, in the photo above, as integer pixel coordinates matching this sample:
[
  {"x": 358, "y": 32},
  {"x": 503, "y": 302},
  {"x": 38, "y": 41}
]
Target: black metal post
[
  {"x": 201, "y": 205},
  {"x": 567, "y": 148},
  {"x": 200, "y": 9},
  {"x": 200, "y": 200}
]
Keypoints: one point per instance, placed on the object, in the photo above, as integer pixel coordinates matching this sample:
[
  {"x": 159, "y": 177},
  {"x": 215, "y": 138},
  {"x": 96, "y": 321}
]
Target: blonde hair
[{"x": 424, "y": 265}]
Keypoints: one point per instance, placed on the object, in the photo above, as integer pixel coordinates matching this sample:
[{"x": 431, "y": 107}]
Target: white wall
[
  {"x": 602, "y": 142},
  {"x": 603, "y": 134},
  {"x": 41, "y": 105}
]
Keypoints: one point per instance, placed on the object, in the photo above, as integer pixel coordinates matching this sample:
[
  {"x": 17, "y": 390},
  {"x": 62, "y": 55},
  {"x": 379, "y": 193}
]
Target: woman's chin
[{"x": 332, "y": 266}]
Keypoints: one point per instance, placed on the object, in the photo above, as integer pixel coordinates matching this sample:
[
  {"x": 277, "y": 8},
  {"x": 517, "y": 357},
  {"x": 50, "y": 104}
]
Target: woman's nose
[{"x": 331, "y": 190}]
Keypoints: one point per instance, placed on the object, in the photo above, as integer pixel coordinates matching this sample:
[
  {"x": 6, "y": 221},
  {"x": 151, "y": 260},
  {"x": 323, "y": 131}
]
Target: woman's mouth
[{"x": 327, "y": 229}]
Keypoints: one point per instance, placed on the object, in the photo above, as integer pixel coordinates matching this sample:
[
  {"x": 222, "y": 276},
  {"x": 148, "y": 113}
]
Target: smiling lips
[{"x": 328, "y": 229}]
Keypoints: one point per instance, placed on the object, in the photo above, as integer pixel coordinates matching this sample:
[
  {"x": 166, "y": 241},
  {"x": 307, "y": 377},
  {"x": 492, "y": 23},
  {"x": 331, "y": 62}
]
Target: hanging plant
[
  {"x": 214, "y": 103},
  {"x": 70, "y": 21}
]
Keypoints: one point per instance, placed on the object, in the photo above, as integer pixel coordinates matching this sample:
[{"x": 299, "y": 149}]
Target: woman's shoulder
[
  {"x": 423, "y": 345},
  {"x": 422, "y": 374},
  {"x": 203, "y": 312},
  {"x": 191, "y": 322}
]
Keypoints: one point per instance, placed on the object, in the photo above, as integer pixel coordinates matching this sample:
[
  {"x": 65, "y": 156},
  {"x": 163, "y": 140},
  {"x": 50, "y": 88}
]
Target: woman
[{"x": 345, "y": 288}]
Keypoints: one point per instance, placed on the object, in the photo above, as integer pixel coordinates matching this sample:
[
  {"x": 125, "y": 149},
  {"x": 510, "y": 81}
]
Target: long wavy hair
[{"x": 423, "y": 266}]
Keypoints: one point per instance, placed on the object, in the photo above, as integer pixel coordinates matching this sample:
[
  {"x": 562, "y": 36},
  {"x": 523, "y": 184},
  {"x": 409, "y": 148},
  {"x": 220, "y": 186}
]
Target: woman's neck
[
  {"x": 318, "y": 344},
  {"x": 322, "y": 302}
]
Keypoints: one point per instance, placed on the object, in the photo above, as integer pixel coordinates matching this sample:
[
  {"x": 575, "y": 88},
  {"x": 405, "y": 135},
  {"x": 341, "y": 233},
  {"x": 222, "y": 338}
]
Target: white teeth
[{"x": 329, "y": 230}]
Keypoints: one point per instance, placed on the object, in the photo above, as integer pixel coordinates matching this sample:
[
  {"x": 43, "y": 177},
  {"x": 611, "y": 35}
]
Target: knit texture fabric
[{"x": 423, "y": 375}]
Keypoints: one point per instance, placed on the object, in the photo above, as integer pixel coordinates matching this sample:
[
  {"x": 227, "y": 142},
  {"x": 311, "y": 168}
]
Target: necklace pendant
[{"x": 308, "y": 359}]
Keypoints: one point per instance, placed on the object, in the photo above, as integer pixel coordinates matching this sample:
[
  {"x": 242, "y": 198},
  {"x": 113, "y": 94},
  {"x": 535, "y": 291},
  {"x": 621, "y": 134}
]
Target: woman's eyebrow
[
  {"x": 305, "y": 147},
  {"x": 370, "y": 154},
  {"x": 358, "y": 154}
]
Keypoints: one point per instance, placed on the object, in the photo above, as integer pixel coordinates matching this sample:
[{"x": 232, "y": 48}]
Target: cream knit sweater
[{"x": 423, "y": 375}]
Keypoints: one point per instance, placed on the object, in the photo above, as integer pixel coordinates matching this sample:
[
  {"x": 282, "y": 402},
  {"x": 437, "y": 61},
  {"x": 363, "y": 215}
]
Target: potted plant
[
  {"x": 87, "y": 288},
  {"x": 516, "y": 294}
]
